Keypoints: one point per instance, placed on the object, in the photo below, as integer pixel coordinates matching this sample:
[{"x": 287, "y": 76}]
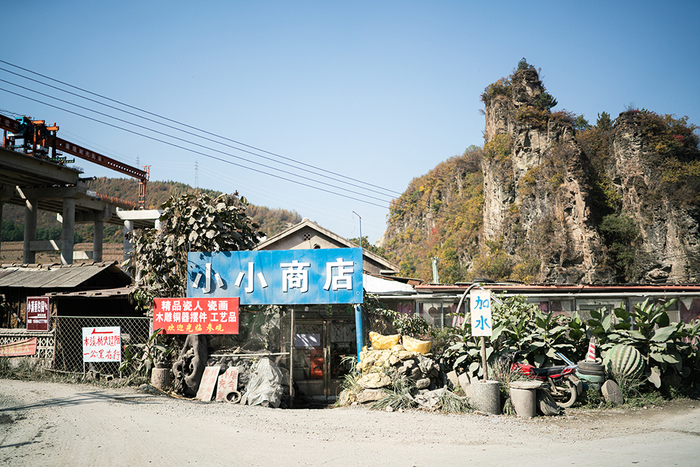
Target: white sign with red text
[{"x": 102, "y": 344}]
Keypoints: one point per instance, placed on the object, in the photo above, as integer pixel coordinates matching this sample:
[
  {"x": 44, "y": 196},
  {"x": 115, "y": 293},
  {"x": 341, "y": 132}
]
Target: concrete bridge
[{"x": 41, "y": 184}]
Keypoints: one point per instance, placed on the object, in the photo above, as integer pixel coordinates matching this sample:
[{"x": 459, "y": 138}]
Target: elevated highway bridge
[{"x": 29, "y": 177}]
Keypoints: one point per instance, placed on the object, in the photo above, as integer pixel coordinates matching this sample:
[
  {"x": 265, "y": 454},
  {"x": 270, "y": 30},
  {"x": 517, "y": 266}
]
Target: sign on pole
[
  {"x": 37, "y": 313},
  {"x": 278, "y": 277},
  {"x": 480, "y": 307},
  {"x": 102, "y": 344},
  {"x": 196, "y": 315}
]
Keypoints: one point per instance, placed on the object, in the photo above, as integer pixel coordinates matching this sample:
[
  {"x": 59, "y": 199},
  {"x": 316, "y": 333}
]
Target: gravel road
[{"x": 52, "y": 424}]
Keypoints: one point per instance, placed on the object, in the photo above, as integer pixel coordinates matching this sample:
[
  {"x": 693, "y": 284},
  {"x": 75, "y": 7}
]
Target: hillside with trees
[{"x": 271, "y": 220}]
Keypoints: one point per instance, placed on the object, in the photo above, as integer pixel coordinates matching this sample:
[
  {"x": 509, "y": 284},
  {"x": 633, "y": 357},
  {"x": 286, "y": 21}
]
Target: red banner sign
[
  {"x": 19, "y": 348},
  {"x": 196, "y": 315}
]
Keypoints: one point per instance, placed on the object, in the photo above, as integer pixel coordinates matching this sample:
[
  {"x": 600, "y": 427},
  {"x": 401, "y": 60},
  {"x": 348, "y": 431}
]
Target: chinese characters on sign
[
  {"x": 19, "y": 348},
  {"x": 196, "y": 315},
  {"x": 480, "y": 307},
  {"x": 37, "y": 313},
  {"x": 278, "y": 277},
  {"x": 102, "y": 344},
  {"x": 207, "y": 383}
]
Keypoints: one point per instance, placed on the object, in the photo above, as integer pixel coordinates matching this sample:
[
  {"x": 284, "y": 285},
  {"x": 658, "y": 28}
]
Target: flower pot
[{"x": 160, "y": 378}]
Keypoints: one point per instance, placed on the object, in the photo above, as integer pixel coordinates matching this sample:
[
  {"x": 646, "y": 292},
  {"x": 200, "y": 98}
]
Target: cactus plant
[{"x": 624, "y": 361}]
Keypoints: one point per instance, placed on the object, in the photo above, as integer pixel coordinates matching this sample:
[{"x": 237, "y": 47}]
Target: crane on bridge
[{"x": 35, "y": 138}]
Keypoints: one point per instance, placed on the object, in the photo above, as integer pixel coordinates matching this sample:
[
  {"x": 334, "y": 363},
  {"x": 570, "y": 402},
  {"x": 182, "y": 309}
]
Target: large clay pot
[{"x": 624, "y": 361}]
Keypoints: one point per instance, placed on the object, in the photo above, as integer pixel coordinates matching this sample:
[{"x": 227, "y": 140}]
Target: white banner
[{"x": 102, "y": 344}]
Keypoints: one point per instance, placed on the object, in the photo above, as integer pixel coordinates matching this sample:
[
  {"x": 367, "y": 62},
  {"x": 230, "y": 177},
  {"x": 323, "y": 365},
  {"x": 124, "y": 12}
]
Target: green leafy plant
[
  {"x": 140, "y": 359},
  {"x": 449, "y": 402},
  {"x": 399, "y": 397},
  {"x": 188, "y": 223},
  {"x": 647, "y": 327}
]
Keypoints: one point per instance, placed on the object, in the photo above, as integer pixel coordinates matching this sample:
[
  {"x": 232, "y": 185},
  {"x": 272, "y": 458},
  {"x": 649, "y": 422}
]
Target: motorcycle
[{"x": 562, "y": 381}]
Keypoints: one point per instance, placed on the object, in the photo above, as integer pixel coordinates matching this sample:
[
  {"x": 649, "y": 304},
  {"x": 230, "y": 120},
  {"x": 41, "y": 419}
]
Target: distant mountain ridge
[{"x": 271, "y": 220}]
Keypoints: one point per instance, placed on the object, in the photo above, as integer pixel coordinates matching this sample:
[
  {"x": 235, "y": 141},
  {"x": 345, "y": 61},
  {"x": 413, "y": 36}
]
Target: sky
[{"x": 326, "y": 108}]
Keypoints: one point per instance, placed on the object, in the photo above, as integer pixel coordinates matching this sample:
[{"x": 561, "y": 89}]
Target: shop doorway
[{"x": 322, "y": 341}]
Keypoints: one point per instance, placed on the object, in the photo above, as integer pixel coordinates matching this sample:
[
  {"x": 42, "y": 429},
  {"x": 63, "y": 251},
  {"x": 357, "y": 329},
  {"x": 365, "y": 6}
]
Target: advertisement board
[
  {"x": 278, "y": 277},
  {"x": 37, "y": 313},
  {"x": 196, "y": 315}
]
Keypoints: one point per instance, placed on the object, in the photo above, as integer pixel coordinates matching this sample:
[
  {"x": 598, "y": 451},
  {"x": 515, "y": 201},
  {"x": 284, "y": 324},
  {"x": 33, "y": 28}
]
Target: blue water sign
[
  {"x": 278, "y": 277},
  {"x": 480, "y": 307}
]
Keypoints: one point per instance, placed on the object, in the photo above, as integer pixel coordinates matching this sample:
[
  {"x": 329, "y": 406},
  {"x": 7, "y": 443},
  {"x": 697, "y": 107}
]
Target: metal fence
[
  {"x": 69, "y": 346},
  {"x": 45, "y": 342}
]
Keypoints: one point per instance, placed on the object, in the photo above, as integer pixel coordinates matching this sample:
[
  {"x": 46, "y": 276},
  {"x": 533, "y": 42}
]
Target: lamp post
[{"x": 359, "y": 217}]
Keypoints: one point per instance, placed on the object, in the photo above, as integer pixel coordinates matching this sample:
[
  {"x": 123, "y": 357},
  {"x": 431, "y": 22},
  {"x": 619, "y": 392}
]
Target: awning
[{"x": 376, "y": 285}]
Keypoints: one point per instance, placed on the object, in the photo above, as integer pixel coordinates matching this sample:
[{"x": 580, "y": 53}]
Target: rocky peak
[
  {"x": 526, "y": 87},
  {"x": 534, "y": 199}
]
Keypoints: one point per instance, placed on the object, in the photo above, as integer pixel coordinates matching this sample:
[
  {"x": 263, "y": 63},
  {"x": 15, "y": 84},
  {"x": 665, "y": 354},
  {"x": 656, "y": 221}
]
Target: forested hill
[
  {"x": 439, "y": 216},
  {"x": 271, "y": 221}
]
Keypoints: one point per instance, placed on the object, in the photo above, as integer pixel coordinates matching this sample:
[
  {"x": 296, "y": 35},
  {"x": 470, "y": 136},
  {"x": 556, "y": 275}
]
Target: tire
[
  {"x": 590, "y": 373},
  {"x": 591, "y": 368},
  {"x": 568, "y": 396}
]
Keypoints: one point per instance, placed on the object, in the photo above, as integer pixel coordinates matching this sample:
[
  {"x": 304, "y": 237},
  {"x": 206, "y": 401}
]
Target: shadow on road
[{"x": 83, "y": 398}]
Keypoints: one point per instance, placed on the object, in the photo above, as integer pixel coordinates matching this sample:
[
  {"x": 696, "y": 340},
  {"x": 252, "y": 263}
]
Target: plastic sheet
[
  {"x": 416, "y": 345},
  {"x": 265, "y": 385}
]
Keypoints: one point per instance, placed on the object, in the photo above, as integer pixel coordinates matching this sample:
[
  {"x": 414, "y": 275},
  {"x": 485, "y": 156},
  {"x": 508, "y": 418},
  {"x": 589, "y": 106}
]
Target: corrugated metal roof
[
  {"x": 56, "y": 276},
  {"x": 103, "y": 293}
]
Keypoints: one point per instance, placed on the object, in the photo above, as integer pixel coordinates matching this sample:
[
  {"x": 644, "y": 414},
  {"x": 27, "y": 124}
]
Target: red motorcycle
[{"x": 561, "y": 380}]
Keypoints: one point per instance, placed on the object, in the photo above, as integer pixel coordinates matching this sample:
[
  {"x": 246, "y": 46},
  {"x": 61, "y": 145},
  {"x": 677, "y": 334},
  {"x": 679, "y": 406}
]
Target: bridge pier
[
  {"x": 31, "y": 213},
  {"x": 68, "y": 231},
  {"x": 97, "y": 241}
]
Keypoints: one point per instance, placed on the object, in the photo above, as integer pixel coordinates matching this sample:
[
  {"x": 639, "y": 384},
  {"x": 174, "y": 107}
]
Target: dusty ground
[{"x": 60, "y": 424}]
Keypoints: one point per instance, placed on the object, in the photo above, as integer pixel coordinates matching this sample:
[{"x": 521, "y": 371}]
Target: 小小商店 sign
[
  {"x": 278, "y": 277},
  {"x": 196, "y": 315}
]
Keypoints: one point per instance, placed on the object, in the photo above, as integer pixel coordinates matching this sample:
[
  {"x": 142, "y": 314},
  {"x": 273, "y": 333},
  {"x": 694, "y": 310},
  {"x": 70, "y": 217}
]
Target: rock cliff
[
  {"x": 535, "y": 193},
  {"x": 561, "y": 201}
]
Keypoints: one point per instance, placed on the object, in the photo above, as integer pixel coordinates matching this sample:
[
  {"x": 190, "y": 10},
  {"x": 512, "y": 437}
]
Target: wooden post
[{"x": 483, "y": 358}]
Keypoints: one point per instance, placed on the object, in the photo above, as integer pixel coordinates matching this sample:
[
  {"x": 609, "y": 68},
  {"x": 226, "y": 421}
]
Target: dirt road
[{"x": 53, "y": 424}]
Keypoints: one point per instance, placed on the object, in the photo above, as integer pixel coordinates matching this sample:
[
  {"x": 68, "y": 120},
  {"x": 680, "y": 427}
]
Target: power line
[
  {"x": 158, "y": 123},
  {"x": 181, "y": 124},
  {"x": 196, "y": 152},
  {"x": 168, "y": 135}
]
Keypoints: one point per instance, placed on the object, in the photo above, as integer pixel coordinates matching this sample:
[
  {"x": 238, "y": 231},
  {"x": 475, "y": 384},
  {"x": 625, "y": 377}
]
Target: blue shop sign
[{"x": 278, "y": 277}]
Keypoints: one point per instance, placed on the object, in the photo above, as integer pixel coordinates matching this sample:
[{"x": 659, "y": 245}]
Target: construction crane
[{"x": 35, "y": 138}]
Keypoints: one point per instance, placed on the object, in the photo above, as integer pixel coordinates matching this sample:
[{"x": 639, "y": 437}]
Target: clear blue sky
[{"x": 377, "y": 91}]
